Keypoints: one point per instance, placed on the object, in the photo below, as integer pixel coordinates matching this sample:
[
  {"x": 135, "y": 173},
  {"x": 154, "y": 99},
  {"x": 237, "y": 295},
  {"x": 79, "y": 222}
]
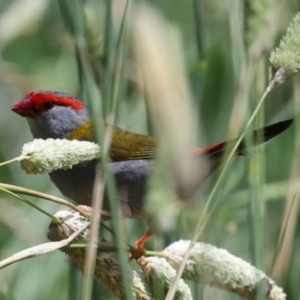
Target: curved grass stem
[
  {"x": 54, "y": 219},
  {"x": 203, "y": 216},
  {"x": 10, "y": 161}
]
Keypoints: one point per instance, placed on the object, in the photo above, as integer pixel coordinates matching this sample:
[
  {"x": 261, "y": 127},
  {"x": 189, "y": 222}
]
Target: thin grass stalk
[
  {"x": 283, "y": 252},
  {"x": 257, "y": 180},
  {"x": 33, "y": 193},
  {"x": 93, "y": 98},
  {"x": 254, "y": 24},
  {"x": 198, "y": 27},
  {"x": 98, "y": 192},
  {"x": 199, "y": 80},
  {"x": 238, "y": 59},
  {"x": 115, "y": 56},
  {"x": 109, "y": 54},
  {"x": 89, "y": 267},
  {"x": 242, "y": 71},
  {"x": 119, "y": 62},
  {"x": 166, "y": 87},
  {"x": 76, "y": 277},
  {"x": 255, "y": 171},
  {"x": 75, "y": 13},
  {"x": 29, "y": 203},
  {"x": 237, "y": 45},
  {"x": 283, "y": 255},
  {"x": 111, "y": 91},
  {"x": 74, "y": 20},
  {"x": 256, "y": 175},
  {"x": 241, "y": 99},
  {"x": 259, "y": 27},
  {"x": 216, "y": 187},
  {"x": 95, "y": 43},
  {"x": 257, "y": 211},
  {"x": 285, "y": 64},
  {"x": 257, "y": 22}
]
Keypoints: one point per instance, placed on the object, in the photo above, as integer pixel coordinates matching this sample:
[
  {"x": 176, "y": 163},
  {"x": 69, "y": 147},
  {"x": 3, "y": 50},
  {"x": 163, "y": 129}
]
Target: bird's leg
[{"x": 137, "y": 250}]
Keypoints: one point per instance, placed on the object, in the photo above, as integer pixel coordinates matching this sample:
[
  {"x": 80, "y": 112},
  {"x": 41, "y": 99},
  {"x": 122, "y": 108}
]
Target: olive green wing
[{"x": 125, "y": 145}]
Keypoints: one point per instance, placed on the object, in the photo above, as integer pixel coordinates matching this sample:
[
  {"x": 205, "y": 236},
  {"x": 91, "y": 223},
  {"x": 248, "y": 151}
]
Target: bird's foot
[{"x": 137, "y": 250}]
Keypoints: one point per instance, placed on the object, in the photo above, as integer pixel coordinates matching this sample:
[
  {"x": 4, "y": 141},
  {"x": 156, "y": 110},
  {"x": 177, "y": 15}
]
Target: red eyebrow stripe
[{"x": 58, "y": 99}]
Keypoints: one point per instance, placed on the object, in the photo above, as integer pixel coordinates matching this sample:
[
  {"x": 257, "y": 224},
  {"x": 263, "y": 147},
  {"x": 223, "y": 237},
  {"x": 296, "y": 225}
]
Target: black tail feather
[{"x": 260, "y": 136}]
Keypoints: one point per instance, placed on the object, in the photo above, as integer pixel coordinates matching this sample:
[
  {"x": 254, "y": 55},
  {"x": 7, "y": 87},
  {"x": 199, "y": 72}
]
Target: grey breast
[{"x": 131, "y": 183}]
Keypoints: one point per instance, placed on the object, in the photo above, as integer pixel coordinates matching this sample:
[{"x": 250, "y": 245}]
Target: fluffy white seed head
[
  {"x": 206, "y": 265},
  {"x": 285, "y": 59},
  {"x": 160, "y": 274},
  {"x": 44, "y": 156},
  {"x": 107, "y": 268},
  {"x": 217, "y": 267}
]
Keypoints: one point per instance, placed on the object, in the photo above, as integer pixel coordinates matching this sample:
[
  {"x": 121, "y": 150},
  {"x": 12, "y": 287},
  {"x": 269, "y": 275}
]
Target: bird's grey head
[{"x": 51, "y": 114}]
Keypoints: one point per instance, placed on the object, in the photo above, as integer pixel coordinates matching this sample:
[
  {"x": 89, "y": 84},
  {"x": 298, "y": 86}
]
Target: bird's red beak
[{"x": 23, "y": 108}]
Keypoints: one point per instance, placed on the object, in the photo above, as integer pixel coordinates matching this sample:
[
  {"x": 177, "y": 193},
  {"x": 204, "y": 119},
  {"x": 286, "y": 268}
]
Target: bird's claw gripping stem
[{"x": 137, "y": 251}]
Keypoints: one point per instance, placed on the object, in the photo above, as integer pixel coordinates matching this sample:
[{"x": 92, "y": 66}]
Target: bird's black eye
[{"x": 48, "y": 105}]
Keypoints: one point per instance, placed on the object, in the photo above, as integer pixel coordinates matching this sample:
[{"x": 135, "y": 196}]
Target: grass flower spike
[
  {"x": 160, "y": 274},
  {"x": 107, "y": 268},
  {"x": 44, "y": 156},
  {"x": 217, "y": 267},
  {"x": 285, "y": 59},
  {"x": 206, "y": 265}
]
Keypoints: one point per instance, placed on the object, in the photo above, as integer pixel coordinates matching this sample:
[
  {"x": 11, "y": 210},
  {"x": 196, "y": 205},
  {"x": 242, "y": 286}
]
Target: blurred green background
[{"x": 37, "y": 52}]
